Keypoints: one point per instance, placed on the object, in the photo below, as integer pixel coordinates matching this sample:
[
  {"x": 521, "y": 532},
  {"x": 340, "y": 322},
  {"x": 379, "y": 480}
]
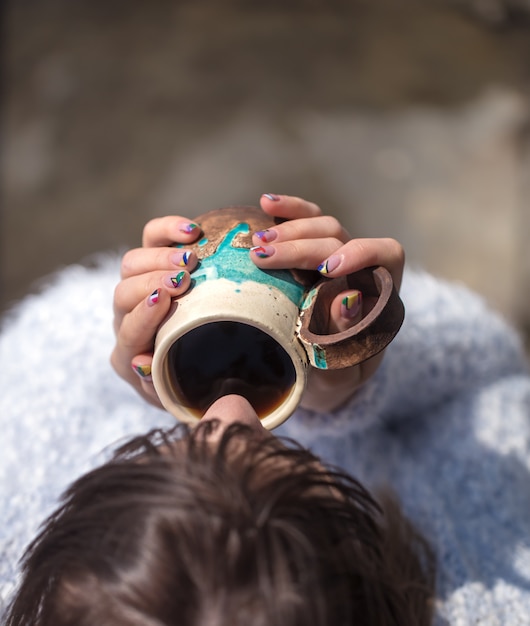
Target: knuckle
[
  {"x": 360, "y": 247},
  {"x": 149, "y": 228},
  {"x": 115, "y": 362},
  {"x": 399, "y": 250},
  {"x": 162, "y": 258},
  {"x": 119, "y": 295},
  {"x": 297, "y": 201},
  {"x": 127, "y": 264},
  {"x": 364, "y": 252},
  {"x": 332, "y": 224},
  {"x": 308, "y": 207},
  {"x": 147, "y": 287},
  {"x": 292, "y": 249},
  {"x": 113, "y": 358},
  {"x": 396, "y": 249}
]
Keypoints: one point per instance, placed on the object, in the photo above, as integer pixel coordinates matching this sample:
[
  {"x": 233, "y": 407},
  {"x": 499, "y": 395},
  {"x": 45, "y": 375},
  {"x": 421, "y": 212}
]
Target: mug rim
[{"x": 230, "y": 309}]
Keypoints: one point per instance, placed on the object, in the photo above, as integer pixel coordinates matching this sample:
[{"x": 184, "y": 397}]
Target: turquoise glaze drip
[
  {"x": 236, "y": 265},
  {"x": 308, "y": 299},
  {"x": 320, "y": 358}
]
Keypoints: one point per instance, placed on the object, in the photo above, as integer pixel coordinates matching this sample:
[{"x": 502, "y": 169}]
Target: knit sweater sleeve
[{"x": 450, "y": 342}]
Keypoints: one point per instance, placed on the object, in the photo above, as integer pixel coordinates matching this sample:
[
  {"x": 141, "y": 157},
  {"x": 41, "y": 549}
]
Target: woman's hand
[
  {"x": 310, "y": 240},
  {"x": 150, "y": 277}
]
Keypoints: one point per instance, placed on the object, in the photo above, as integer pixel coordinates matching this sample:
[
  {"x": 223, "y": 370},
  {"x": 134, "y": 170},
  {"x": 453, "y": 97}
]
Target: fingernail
[
  {"x": 181, "y": 258},
  {"x": 143, "y": 371},
  {"x": 271, "y": 196},
  {"x": 175, "y": 281},
  {"x": 351, "y": 305},
  {"x": 263, "y": 252},
  {"x": 330, "y": 264},
  {"x": 188, "y": 227},
  {"x": 266, "y": 235},
  {"x": 154, "y": 298}
]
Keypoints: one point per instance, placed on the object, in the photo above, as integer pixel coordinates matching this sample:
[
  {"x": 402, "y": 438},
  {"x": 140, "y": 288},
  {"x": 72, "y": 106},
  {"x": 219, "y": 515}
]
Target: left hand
[{"x": 311, "y": 240}]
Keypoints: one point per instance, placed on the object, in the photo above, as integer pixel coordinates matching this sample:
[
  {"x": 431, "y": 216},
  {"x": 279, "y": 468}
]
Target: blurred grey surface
[{"x": 407, "y": 119}]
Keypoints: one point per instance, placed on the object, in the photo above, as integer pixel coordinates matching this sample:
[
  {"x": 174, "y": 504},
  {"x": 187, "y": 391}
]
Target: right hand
[{"x": 150, "y": 277}]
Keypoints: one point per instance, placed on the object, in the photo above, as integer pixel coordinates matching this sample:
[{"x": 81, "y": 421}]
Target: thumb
[{"x": 346, "y": 311}]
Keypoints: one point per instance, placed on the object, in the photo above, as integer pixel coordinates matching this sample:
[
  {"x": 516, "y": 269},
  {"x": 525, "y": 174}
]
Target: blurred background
[{"x": 404, "y": 118}]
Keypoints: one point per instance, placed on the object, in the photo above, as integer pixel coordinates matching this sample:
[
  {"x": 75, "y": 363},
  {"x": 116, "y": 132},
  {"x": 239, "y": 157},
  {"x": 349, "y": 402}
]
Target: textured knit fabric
[{"x": 445, "y": 422}]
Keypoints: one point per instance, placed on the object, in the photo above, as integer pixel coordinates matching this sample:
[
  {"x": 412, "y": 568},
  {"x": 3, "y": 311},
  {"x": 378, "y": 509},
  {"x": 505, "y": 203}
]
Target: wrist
[{"x": 328, "y": 390}]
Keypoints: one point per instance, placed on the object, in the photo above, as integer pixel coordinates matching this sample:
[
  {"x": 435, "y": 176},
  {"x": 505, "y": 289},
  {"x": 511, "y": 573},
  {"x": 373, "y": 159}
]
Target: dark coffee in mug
[{"x": 220, "y": 358}]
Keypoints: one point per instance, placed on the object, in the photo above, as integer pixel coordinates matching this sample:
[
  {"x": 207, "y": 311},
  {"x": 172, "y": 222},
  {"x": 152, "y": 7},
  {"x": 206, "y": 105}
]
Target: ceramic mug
[{"x": 241, "y": 329}]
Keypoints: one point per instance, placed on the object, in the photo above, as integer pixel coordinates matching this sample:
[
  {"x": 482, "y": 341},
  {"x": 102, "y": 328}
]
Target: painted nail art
[
  {"x": 176, "y": 281},
  {"x": 154, "y": 297},
  {"x": 271, "y": 196},
  {"x": 351, "y": 305},
  {"x": 330, "y": 264},
  {"x": 181, "y": 258},
  {"x": 266, "y": 235},
  {"x": 188, "y": 227},
  {"x": 263, "y": 252},
  {"x": 144, "y": 371}
]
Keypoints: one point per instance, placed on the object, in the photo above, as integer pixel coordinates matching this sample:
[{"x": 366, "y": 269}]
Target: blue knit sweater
[{"x": 445, "y": 422}]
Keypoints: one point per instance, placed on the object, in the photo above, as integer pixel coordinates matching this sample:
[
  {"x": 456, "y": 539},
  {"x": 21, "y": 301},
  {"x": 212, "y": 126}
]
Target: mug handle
[{"x": 363, "y": 340}]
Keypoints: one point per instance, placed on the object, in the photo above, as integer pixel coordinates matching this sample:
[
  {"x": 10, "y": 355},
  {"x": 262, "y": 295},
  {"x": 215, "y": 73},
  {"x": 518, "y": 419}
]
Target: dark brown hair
[{"x": 243, "y": 532}]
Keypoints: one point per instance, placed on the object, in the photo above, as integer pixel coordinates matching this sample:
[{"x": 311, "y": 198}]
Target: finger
[
  {"x": 288, "y": 207},
  {"x": 164, "y": 231},
  {"x": 136, "y": 333},
  {"x": 303, "y": 228},
  {"x": 131, "y": 291},
  {"x": 357, "y": 254},
  {"x": 145, "y": 260},
  {"x": 346, "y": 310},
  {"x": 133, "y": 352},
  {"x": 301, "y": 253},
  {"x": 141, "y": 367}
]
